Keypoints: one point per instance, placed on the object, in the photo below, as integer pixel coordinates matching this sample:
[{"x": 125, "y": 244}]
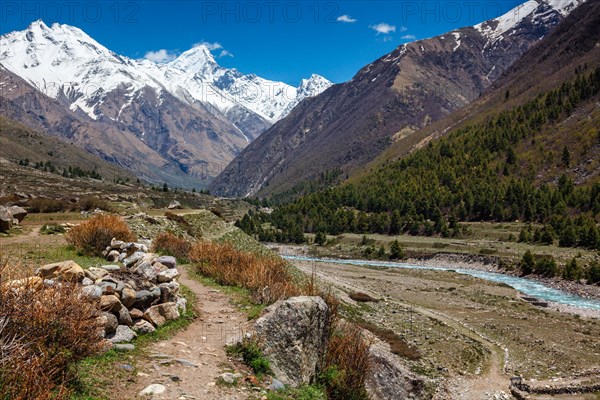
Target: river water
[{"x": 526, "y": 286}]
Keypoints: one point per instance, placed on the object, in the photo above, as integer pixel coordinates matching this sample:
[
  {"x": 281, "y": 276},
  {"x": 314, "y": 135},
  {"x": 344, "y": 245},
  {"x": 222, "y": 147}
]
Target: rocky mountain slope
[
  {"x": 187, "y": 119},
  {"x": 388, "y": 100}
]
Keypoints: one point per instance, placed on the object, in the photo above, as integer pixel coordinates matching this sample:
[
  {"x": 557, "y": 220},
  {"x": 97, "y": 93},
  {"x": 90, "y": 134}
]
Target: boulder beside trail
[
  {"x": 161, "y": 313},
  {"x": 293, "y": 337},
  {"x": 67, "y": 270}
]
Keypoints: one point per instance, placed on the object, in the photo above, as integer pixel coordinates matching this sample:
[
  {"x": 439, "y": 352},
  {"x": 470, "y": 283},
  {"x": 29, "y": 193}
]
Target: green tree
[
  {"x": 320, "y": 238},
  {"x": 527, "y": 263},
  {"x": 546, "y": 266},
  {"x": 165, "y": 187},
  {"x": 396, "y": 251},
  {"x": 572, "y": 271}
]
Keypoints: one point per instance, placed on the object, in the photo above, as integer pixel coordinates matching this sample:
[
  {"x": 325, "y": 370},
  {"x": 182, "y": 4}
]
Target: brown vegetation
[
  {"x": 346, "y": 363},
  {"x": 398, "y": 344},
  {"x": 44, "y": 330},
  {"x": 93, "y": 235},
  {"x": 168, "y": 243},
  {"x": 265, "y": 276}
]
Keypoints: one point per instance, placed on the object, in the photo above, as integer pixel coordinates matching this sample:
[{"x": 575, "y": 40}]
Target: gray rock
[
  {"x": 18, "y": 213},
  {"x": 168, "y": 275},
  {"x": 153, "y": 390},
  {"x": 93, "y": 291},
  {"x": 276, "y": 385},
  {"x": 133, "y": 259},
  {"x": 143, "y": 326},
  {"x": 230, "y": 378},
  {"x": 110, "y": 268},
  {"x": 122, "y": 334},
  {"x": 168, "y": 261},
  {"x": 111, "y": 323},
  {"x": 124, "y": 347},
  {"x": 87, "y": 282},
  {"x": 143, "y": 299},
  {"x": 174, "y": 204},
  {"x": 389, "y": 377},
  {"x": 146, "y": 271},
  {"x": 128, "y": 296},
  {"x": 168, "y": 292},
  {"x": 155, "y": 290},
  {"x": 6, "y": 219},
  {"x": 185, "y": 363},
  {"x": 293, "y": 336},
  {"x": 124, "y": 317}
]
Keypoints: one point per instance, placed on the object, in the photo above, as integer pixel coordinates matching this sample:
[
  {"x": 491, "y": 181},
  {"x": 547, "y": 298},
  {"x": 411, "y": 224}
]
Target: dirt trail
[
  {"x": 200, "y": 349},
  {"x": 491, "y": 383}
]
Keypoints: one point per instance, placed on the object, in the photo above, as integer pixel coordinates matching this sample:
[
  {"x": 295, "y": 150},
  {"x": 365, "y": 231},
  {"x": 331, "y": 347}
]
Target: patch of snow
[{"x": 457, "y": 38}]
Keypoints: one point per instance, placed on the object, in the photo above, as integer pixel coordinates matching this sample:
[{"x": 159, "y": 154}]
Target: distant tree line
[{"x": 473, "y": 174}]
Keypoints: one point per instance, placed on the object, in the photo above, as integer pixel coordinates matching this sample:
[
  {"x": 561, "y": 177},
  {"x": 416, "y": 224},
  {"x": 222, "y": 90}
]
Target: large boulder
[
  {"x": 162, "y": 313},
  {"x": 18, "y": 213},
  {"x": 128, "y": 296},
  {"x": 124, "y": 317},
  {"x": 389, "y": 377},
  {"x": 110, "y": 322},
  {"x": 133, "y": 259},
  {"x": 6, "y": 219},
  {"x": 67, "y": 270},
  {"x": 168, "y": 292},
  {"x": 143, "y": 299},
  {"x": 293, "y": 337},
  {"x": 143, "y": 326}
]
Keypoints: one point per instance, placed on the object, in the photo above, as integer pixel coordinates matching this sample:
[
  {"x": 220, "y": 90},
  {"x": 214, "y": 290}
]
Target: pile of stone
[
  {"x": 137, "y": 292},
  {"x": 10, "y": 216}
]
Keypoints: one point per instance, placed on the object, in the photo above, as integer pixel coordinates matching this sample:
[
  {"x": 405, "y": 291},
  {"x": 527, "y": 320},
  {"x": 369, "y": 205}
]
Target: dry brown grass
[
  {"x": 93, "y": 235},
  {"x": 43, "y": 332},
  {"x": 346, "y": 363},
  {"x": 398, "y": 345},
  {"x": 265, "y": 276},
  {"x": 168, "y": 243}
]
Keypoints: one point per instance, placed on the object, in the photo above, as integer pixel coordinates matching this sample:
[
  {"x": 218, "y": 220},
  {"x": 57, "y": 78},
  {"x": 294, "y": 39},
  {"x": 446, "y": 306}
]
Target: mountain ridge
[{"x": 348, "y": 125}]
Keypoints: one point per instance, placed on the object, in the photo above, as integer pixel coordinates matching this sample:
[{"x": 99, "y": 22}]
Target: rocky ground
[{"x": 473, "y": 335}]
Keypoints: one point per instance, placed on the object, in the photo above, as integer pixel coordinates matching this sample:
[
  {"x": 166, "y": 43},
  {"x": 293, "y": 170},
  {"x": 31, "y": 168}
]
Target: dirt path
[
  {"x": 199, "y": 349},
  {"x": 490, "y": 383}
]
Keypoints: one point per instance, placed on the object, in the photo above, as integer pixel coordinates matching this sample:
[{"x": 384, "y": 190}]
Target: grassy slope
[{"x": 18, "y": 142}]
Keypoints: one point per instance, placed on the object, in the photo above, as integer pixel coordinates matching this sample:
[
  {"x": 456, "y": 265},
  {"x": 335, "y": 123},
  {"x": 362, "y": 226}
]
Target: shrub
[
  {"x": 93, "y": 235},
  {"x": 527, "y": 263},
  {"x": 546, "y": 266},
  {"x": 265, "y": 276},
  {"x": 44, "y": 330},
  {"x": 51, "y": 229},
  {"x": 168, "y": 243},
  {"x": 346, "y": 364}
]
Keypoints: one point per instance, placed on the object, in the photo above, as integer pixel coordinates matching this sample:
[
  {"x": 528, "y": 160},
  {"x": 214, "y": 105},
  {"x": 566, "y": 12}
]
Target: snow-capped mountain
[
  {"x": 387, "y": 102},
  {"x": 64, "y": 62}
]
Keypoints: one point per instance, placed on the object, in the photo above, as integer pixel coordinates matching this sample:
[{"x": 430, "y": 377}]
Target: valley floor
[{"x": 473, "y": 335}]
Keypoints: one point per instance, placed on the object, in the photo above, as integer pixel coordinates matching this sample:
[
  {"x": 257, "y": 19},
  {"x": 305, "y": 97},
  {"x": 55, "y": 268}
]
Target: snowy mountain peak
[
  {"x": 194, "y": 60},
  {"x": 534, "y": 9},
  {"x": 64, "y": 62}
]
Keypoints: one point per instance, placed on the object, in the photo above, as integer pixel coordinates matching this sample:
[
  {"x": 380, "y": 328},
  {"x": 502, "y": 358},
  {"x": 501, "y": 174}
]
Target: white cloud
[
  {"x": 225, "y": 53},
  {"x": 383, "y": 28},
  {"x": 345, "y": 18},
  {"x": 409, "y": 37},
  {"x": 160, "y": 56},
  {"x": 209, "y": 46},
  {"x": 402, "y": 29}
]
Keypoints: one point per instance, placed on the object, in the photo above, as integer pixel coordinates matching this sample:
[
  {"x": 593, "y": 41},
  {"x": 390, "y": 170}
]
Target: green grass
[
  {"x": 96, "y": 374},
  {"x": 252, "y": 356},
  {"x": 307, "y": 392}
]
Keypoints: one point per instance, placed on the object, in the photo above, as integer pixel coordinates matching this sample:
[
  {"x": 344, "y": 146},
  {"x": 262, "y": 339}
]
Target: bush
[
  {"x": 168, "y": 243},
  {"x": 93, "y": 235},
  {"x": 346, "y": 364},
  {"x": 44, "y": 331},
  {"x": 527, "y": 263},
  {"x": 362, "y": 297},
  {"x": 546, "y": 266},
  {"x": 265, "y": 276}
]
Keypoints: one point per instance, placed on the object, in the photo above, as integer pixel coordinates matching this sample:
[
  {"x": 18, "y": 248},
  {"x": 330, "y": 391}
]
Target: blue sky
[{"x": 279, "y": 40}]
